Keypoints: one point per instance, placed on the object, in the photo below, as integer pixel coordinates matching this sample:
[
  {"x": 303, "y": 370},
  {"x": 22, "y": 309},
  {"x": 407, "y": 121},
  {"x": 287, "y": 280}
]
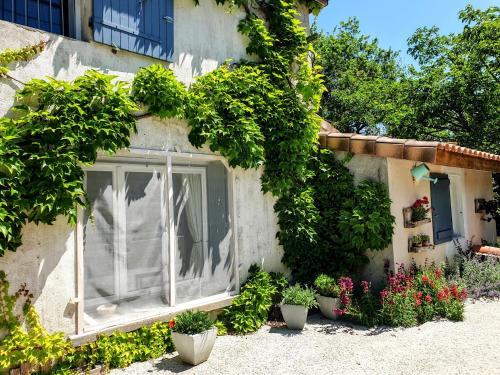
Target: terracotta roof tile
[{"x": 441, "y": 153}]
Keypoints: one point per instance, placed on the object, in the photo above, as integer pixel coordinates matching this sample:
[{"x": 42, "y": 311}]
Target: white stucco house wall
[
  {"x": 463, "y": 175},
  {"x": 190, "y": 197},
  {"x": 160, "y": 199}
]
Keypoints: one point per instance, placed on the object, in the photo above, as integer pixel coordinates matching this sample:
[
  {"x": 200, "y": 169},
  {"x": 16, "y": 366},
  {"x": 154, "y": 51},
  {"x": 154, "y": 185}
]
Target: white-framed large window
[{"x": 158, "y": 235}]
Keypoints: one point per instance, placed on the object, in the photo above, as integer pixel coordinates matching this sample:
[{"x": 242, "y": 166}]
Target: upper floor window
[
  {"x": 55, "y": 16},
  {"x": 141, "y": 26},
  {"x": 145, "y": 27}
]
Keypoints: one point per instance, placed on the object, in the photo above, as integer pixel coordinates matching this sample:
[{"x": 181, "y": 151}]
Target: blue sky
[{"x": 393, "y": 21}]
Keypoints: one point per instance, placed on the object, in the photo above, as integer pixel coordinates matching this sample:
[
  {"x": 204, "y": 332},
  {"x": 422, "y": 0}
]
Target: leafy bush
[
  {"x": 327, "y": 225},
  {"x": 248, "y": 312},
  {"x": 221, "y": 328},
  {"x": 480, "y": 276},
  {"x": 118, "y": 350},
  {"x": 327, "y": 286},
  {"x": 297, "y": 295},
  {"x": 31, "y": 345},
  {"x": 364, "y": 310},
  {"x": 61, "y": 128},
  {"x": 192, "y": 322},
  {"x": 157, "y": 87},
  {"x": 416, "y": 295}
]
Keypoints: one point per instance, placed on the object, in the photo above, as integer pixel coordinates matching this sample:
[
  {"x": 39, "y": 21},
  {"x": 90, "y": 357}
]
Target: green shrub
[
  {"x": 118, "y": 350},
  {"x": 157, "y": 87},
  {"x": 364, "y": 309},
  {"x": 248, "y": 312},
  {"x": 481, "y": 277},
  {"x": 416, "y": 295},
  {"x": 221, "y": 328},
  {"x": 26, "y": 340},
  {"x": 297, "y": 295},
  {"x": 192, "y": 322},
  {"x": 328, "y": 224},
  {"x": 327, "y": 286}
]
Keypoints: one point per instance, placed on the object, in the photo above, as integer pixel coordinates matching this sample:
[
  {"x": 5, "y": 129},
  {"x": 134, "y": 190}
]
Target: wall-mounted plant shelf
[
  {"x": 420, "y": 249},
  {"x": 412, "y": 224}
]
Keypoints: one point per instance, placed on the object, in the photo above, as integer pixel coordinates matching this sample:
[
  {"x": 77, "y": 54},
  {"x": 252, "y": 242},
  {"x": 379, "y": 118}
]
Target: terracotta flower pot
[{"x": 194, "y": 349}]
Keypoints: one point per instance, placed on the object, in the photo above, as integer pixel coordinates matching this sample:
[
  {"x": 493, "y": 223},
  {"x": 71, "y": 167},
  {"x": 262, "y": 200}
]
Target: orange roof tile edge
[{"x": 439, "y": 153}]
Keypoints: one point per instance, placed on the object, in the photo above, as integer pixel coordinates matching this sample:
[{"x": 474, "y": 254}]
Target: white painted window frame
[
  {"x": 457, "y": 197},
  {"x": 164, "y": 158}
]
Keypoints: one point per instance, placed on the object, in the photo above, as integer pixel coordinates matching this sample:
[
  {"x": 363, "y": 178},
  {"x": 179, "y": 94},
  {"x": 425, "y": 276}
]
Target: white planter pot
[
  {"x": 327, "y": 305},
  {"x": 295, "y": 316},
  {"x": 194, "y": 349},
  {"x": 141, "y": 111}
]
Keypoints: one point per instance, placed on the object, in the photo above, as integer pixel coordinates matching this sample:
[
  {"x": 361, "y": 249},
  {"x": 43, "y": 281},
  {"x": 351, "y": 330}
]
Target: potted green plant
[
  {"x": 193, "y": 334},
  {"x": 328, "y": 293},
  {"x": 417, "y": 240},
  {"x": 425, "y": 238},
  {"x": 296, "y": 303}
]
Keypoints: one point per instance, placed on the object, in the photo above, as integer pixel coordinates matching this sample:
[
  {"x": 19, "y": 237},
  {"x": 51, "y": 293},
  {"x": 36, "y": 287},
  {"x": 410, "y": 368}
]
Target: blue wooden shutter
[
  {"x": 441, "y": 205},
  {"x": 140, "y": 26}
]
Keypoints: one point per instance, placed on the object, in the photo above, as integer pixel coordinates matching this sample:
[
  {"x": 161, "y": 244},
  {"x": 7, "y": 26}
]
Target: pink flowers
[
  {"x": 366, "y": 285},
  {"x": 339, "y": 312}
]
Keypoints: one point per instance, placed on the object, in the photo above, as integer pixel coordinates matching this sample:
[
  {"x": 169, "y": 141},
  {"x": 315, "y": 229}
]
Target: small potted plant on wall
[
  {"x": 417, "y": 240},
  {"x": 295, "y": 304},
  {"x": 425, "y": 239},
  {"x": 194, "y": 334},
  {"x": 328, "y": 295},
  {"x": 419, "y": 209}
]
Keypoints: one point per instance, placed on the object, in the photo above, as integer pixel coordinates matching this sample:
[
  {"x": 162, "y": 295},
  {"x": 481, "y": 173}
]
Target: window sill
[{"x": 206, "y": 304}]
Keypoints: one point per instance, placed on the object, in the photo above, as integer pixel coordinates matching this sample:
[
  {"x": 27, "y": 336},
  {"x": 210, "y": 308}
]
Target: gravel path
[{"x": 324, "y": 347}]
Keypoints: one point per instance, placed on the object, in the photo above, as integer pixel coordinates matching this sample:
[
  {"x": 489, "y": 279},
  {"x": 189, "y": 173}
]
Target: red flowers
[
  {"x": 438, "y": 272},
  {"x": 460, "y": 295},
  {"x": 420, "y": 202},
  {"x": 428, "y": 298},
  {"x": 171, "y": 323},
  {"x": 426, "y": 280},
  {"x": 443, "y": 294}
]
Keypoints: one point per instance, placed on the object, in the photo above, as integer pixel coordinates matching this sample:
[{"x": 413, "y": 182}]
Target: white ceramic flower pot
[
  {"x": 327, "y": 305},
  {"x": 295, "y": 316},
  {"x": 194, "y": 349}
]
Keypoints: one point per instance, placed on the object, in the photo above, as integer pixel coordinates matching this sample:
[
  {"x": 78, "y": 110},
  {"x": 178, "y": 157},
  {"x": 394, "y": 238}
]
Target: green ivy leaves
[
  {"x": 62, "y": 127},
  {"x": 157, "y": 88}
]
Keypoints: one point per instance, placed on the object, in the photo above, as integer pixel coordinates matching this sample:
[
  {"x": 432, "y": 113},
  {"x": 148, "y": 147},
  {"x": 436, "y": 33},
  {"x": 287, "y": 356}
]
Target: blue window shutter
[
  {"x": 140, "y": 26},
  {"x": 441, "y": 209}
]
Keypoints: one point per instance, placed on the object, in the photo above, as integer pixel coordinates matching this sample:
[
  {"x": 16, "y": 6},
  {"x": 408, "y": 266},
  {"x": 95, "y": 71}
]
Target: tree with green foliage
[
  {"x": 361, "y": 79},
  {"x": 454, "y": 92}
]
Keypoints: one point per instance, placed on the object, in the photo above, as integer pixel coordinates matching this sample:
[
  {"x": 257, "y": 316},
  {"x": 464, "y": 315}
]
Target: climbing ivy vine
[
  {"x": 256, "y": 113},
  {"x": 59, "y": 128}
]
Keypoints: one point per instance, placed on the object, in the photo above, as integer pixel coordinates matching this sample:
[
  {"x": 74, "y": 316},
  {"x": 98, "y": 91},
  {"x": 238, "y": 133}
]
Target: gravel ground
[{"x": 325, "y": 347}]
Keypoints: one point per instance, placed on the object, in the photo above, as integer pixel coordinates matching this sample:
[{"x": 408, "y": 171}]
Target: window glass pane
[
  {"x": 98, "y": 238},
  {"x": 188, "y": 210},
  {"x": 129, "y": 280},
  {"x": 219, "y": 275},
  {"x": 143, "y": 231},
  {"x": 204, "y": 261}
]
